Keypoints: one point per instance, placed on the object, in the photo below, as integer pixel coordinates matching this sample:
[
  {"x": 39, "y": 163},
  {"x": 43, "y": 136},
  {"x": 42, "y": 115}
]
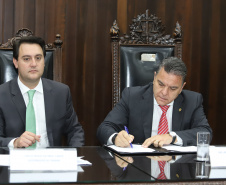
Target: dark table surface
[{"x": 109, "y": 168}]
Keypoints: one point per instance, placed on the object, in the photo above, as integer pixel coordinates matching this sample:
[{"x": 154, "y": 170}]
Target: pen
[{"x": 126, "y": 129}]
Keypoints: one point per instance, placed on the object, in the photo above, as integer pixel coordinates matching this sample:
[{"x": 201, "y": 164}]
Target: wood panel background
[{"x": 84, "y": 27}]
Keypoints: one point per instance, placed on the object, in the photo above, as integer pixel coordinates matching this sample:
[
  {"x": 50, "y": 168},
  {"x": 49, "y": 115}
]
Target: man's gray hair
[{"x": 175, "y": 66}]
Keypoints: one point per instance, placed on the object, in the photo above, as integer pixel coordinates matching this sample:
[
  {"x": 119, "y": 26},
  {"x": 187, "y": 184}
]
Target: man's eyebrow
[
  {"x": 26, "y": 56},
  {"x": 160, "y": 81},
  {"x": 174, "y": 87}
]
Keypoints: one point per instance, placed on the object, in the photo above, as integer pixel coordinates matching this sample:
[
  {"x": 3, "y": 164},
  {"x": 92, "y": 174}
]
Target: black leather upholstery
[
  {"x": 134, "y": 71},
  {"x": 8, "y": 71}
]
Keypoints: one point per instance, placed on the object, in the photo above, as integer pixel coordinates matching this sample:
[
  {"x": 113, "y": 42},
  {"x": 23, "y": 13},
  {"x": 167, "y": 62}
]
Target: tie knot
[
  {"x": 31, "y": 94},
  {"x": 164, "y": 108}
]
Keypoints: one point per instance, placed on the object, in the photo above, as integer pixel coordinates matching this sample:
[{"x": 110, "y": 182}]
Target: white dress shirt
[
  {"x": 157, "y": 112},
  {"x": 39, "y": 108}
]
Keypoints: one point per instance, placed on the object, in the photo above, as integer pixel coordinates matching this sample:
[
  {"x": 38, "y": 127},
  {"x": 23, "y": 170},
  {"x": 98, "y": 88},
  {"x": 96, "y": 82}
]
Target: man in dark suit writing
[
  {"x": 51, "y": 114},
  {"x": 158, "y": 113}
]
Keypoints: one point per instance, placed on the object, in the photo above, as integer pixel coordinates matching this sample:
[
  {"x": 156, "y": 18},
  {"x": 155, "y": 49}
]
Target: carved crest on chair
[
  {"x": 147, "y": 29},
  {"x": 24, "y": 32},
  {"x": 20, "y": 33}
]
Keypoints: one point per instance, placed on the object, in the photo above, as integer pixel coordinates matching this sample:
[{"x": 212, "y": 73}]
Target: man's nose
[
  {"x": 33, "y": 62},
  {"x": 165, "y": 91}
]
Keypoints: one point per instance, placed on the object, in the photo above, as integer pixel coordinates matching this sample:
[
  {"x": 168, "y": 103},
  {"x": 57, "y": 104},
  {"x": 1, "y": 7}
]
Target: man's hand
[
  {"x": 123, "y": 139},
  {"x": 158, "y": 140},
  {"x": 26, "y": 139},
  {"x": 121, "y": 163}
]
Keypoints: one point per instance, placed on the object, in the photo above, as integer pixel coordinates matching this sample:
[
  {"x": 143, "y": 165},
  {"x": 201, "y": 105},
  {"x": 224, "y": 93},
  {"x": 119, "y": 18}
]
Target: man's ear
[
  {"x": 182, "y": 86},
  {"x": 15, "y": 62},
  {"x": 154, "y": 76}
]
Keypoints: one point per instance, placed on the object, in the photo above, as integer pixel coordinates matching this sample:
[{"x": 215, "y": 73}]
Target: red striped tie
[
  {"x": 161, "y": 167},
  {"x": 163, "y": 123}
]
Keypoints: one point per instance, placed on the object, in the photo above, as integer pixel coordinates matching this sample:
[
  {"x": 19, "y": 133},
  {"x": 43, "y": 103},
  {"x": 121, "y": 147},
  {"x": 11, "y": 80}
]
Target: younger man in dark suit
[
  {"x": 53, "y": 113},
  {"x": 143, "y": 110}
]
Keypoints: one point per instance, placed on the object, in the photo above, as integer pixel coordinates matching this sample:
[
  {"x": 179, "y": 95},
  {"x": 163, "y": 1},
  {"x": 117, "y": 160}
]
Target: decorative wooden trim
[
  {"x": 57, "y": 68},
  {"x": 114, "y": 32}
]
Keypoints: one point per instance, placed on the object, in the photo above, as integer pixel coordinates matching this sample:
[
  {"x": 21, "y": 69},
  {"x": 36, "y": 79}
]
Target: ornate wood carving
[
  {"x": 145, "y": 30},
  {"x": 24, "y": 32}
]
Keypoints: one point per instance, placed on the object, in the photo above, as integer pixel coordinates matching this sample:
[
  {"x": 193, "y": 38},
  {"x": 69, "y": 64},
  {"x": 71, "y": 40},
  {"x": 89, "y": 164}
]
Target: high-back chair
[
  {"x": 136, "y": 56},
  {"x": 53, "y": 59}
]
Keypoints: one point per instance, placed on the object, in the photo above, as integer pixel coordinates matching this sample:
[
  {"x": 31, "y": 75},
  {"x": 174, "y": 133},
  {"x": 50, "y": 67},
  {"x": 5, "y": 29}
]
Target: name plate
[{"x": 43, "y": 159}]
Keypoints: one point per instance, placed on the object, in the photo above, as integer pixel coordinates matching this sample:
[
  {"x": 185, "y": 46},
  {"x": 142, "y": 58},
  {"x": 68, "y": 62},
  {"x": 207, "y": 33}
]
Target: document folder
[{"x": 139, "y": 150}]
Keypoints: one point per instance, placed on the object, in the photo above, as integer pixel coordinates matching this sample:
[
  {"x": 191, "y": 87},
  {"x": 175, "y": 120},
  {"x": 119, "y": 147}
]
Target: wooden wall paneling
[
  {"x": 71, "y": 29},
  {"x": 205, "y": 52},
  {"x": 186, "y": 39},
  {"x": 40, "y": 26},
  {"x": 158, "y": 7},
  {"x": 89, "y": 73},
  {"x": 50, "y": 20},
  {"x": 29, "y": 16},
  {"x": 213, "y": 72},
  {"x": 19, "y": 16},
  {"x": 122, "y": 16},
  {"x": 102, "y": 99},
  {"x": 196, "y": 44},
  {"x": 1, "y": 20},
  {"x": 221, "y": 103},
  {"x": 8, "y": 20},
  {"x": 170, "y": 21},
  {"x": 60, "y": 10}
]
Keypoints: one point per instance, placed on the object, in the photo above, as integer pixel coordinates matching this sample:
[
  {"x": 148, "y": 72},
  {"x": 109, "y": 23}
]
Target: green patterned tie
[{"x": 30, "y": 116}]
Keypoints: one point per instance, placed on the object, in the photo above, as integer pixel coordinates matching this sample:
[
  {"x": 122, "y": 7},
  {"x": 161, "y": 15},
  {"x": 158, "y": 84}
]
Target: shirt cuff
[
  {"x": 179, "y": 141},
  {"x": 109, "y": 142},
  {"x": 11, "y": 145}
]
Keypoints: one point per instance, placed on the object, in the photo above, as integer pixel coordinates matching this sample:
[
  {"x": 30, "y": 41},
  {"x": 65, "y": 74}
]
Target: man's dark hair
[
  {"x": 175, "y": 66},
  {"x": 28, "y": 40}
]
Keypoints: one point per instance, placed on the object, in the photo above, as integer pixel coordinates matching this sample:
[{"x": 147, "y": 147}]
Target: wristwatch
[{"x": 174, "y": 135}]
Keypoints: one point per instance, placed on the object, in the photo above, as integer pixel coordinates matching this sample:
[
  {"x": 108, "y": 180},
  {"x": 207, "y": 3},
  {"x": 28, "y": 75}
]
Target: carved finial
[
  {"x": 177, "y": 32},
  {"x": 114, "y": 31},
  {"x": 58, "y": 43}
]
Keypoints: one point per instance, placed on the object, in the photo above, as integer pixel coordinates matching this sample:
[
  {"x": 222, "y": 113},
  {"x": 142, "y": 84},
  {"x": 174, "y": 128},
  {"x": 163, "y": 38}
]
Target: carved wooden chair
[
  {"x": 136, "y": 56},
  {"x": 53, "y": 59}
]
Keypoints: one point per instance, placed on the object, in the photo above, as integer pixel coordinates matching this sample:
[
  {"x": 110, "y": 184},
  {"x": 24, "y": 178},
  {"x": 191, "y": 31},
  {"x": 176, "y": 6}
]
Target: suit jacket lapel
[
  {"x": 18, "y": 99},
  {"x": 178, "y": 110},
  {"x": 147, "y": 111},
  {"x": 49, "y": 111}
]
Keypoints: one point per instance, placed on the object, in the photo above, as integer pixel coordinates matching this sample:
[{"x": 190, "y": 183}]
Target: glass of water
[{"x": 203, "y": 141}]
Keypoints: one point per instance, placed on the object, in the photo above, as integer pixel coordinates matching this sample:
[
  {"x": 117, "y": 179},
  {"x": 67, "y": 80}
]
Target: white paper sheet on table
[
  {"x": 217, "y": 157},
  {"x": 4, "y": 161},
  {"x": 136, "y": 149},
  {"x": 181, "y": 148}
]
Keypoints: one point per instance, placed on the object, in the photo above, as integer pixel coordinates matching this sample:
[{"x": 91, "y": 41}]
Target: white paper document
[
  {"x": 44, "y": 177},
  {"x": 43, "y": 159},
  {"x": 4, "y": 160},
  {"x": 217, "y": 157},
  {"x": 181, "y": 148},
  {"x": 136, "y": 149}
]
